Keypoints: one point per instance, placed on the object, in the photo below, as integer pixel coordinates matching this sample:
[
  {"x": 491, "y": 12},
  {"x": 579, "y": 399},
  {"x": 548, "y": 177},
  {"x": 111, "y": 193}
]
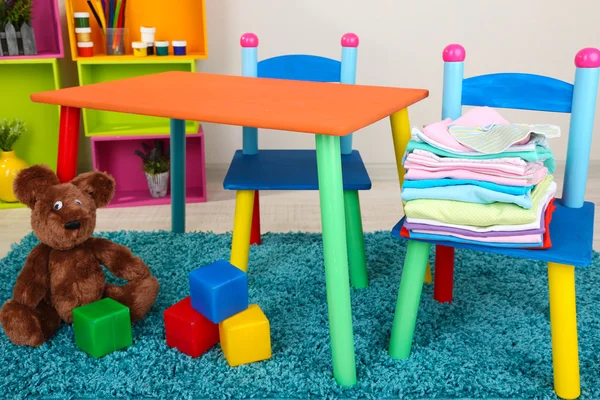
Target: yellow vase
[{"x": 10, "y": 165}]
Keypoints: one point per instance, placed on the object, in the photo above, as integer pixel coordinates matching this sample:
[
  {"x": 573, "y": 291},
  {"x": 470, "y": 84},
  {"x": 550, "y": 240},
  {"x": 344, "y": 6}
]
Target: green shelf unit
[
  {"x": 103, "y": 123},
  {"x": 19, "y": 78}
]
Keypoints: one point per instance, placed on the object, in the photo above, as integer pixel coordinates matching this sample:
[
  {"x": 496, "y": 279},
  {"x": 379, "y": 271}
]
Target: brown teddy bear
[{"x": 63, "y": 272}]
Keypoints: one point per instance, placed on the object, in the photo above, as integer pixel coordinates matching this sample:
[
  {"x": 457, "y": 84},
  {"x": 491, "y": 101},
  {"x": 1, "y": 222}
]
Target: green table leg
[
  {"x": 178, "y": 175},
  {"x": 355, "y": 240},
  {"x": 329, "y": 164},
  {"x": 409, "y": 297}
]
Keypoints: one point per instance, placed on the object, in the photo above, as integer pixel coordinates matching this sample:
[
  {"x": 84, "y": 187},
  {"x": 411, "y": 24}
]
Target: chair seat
[
  {"x": 571, "y": 233},
  {"x": 290, "y": 170}
]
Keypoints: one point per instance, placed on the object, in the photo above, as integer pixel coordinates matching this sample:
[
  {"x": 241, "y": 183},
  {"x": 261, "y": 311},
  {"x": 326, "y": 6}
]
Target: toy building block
[
  {"x": 188, "y": 330},
  {"x": 246, "y": 337},
  {"x": 102, "y": 327},
  {"x": 219, "y": 290}
]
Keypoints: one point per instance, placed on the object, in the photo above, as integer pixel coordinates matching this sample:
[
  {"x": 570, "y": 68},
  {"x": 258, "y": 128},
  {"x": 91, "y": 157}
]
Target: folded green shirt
[
  {"x": 541, "y": 153},
  {"x": 472, "y": 214}
]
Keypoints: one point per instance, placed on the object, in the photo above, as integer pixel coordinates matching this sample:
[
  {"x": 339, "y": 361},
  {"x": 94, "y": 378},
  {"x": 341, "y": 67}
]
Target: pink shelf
[
  {"x": 114, "y": 155},
  {"x": 47, "y": 31}
]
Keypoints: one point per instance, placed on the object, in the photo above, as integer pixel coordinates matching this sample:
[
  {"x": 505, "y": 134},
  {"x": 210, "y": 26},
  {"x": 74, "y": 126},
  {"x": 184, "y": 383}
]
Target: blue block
[
  {"x": 218, "y": 290},
  {"x": 571, "y": 233},
  {"x": 290, "y": 170}
]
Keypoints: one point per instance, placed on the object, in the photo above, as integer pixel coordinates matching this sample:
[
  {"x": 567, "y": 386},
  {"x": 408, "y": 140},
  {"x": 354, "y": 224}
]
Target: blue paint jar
[{"x": 179, "y": 47}]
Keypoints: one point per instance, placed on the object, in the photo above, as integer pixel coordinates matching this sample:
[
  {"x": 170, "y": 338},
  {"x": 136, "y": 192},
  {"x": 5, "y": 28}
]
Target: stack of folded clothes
[{"x": 480, "y": 180}]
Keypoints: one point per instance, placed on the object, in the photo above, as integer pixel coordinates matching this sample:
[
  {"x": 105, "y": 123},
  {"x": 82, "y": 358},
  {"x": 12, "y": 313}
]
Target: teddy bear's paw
[
  {"x": 138, "y": 295},
  {"x": 22, "y": 325}
]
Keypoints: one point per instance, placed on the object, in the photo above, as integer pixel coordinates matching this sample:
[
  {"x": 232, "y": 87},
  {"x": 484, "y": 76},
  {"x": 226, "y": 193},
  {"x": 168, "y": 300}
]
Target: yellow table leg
[
  {"x": 563, "y": 324},
  {"x": 401, "y": 136},
  {"x": 242, "y": 225}
]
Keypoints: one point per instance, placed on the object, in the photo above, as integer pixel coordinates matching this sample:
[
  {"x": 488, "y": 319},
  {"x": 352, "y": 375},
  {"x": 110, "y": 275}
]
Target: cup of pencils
[{"x": 110, "y": 16}]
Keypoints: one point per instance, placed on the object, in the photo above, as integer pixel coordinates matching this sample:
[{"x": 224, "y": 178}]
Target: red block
[{"x": 188, "y": 330}]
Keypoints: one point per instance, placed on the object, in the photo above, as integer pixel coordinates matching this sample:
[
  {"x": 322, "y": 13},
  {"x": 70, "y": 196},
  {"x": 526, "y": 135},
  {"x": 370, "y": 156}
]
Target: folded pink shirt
[
  {"x": 478, "y": 116},
  {"x": 506, "y": 167},
  {"x": 454, "y": 173}
]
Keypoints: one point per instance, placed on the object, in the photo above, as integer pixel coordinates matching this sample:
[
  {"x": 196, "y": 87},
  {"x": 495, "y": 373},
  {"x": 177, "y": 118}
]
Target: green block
[{"x": 102, "y": 327}]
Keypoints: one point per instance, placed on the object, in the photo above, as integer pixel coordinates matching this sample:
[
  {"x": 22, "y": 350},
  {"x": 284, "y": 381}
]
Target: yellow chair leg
[
  {"x": 428, "y": 278},
  {"x": 563, "y": 324},
  {"x": 242, "y": 226},
  {"x": 401, "y": 136}
]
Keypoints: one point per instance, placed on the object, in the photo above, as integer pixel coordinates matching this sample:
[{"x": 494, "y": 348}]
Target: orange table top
[{"x": 311, "y": 107}]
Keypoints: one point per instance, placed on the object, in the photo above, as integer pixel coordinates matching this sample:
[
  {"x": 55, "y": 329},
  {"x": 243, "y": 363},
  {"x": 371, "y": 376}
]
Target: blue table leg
[{"x": 178, "y": 175}]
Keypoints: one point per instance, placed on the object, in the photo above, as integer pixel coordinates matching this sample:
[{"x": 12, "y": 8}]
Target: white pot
[{"x": 158, "y": 184}]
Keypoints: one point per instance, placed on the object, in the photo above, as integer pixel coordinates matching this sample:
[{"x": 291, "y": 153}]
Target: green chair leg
[
  {"x": 409, "y": 295},
  {"x": 355, "y": 240}
]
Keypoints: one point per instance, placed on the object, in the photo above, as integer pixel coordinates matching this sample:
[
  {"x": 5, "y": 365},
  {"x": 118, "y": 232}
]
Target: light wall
[{"x": 400, "y": 45}]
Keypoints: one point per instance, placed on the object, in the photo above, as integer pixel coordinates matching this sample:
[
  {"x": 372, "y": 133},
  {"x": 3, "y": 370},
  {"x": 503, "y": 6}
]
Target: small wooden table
[{"x": 324, "y": 109}]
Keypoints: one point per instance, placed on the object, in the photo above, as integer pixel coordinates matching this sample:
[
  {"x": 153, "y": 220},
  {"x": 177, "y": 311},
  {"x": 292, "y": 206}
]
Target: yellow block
[
  {"x": 563, "y": 324},
  {"x": 246, "y": 337}
]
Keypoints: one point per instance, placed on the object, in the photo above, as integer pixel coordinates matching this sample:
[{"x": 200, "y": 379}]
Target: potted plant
[
  {"x": 156, "y": 168},
  {"x": 10, "y": 164},
  {"x": 16, "y": 32}
]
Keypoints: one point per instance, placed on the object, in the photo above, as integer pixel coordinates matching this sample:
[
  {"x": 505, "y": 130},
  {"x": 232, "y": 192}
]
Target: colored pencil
[
  {"x": 100, "y": 10},
  {"x": 95, "y": 14}
]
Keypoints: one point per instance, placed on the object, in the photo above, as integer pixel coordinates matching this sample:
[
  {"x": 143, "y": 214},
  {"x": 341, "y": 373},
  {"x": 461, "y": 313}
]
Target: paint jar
[
  {"x": 115, "y": 41},
  {"x": 162, "y": 48},
  {"x": 140, "y": 49},
  {"x": 150, "y": 49},
  {"x": 147, "y": 34},
  {"x": 83, "y": 34},
  {"x": 85, "y": 49},
  {"x": 179, "y": 47},
  {"x": 82, "y": 19}
]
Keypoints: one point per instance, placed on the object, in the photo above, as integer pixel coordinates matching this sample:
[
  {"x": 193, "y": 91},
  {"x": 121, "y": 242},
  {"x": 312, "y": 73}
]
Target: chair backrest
[
  {"x": 533, "y": 92},
  {"x": 299, "y": 67}
]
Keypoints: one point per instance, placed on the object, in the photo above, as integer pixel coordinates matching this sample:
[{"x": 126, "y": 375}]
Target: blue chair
[
  {"x": 572, "y": 223},
  {"x": 253, "y": 170}
]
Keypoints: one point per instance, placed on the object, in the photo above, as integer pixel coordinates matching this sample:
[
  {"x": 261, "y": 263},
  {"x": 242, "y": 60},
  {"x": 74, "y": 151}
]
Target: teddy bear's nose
[{"x": 73, "y": 225}]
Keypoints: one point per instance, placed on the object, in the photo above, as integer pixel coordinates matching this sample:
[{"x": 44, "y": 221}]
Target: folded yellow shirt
[{"x": 473, "y": 214}]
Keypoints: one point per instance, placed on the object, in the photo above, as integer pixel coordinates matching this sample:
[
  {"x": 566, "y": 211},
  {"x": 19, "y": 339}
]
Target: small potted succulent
[
  {"x": 10, "y": 164},
  {"x": 156, "y": 167}
]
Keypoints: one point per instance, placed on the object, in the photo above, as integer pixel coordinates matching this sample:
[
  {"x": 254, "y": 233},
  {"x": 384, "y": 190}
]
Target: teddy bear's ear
[
  {"x": 98, "y": 185},
  {"x": 31, "y": 182}
]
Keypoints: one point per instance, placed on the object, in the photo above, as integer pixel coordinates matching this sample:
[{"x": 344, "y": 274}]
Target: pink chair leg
[{"x": 444, "y": 274}]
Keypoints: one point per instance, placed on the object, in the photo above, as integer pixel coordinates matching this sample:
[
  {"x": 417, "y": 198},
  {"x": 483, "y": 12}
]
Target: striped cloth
[{"x": 496, "y": 138}]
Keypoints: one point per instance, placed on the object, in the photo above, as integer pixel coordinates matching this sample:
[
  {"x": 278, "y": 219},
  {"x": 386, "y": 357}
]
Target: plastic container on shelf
[
  {"x": 82, "y": 19},
  {"x": 140, "y": 49},
  {"x": 147, "y": 34},
  {"x": 179, "y": 47},
  {"x": 85, "y": 49},
  {"x": 162, "y": 48},
  {"x": 83, "y": 34},
  {"x": 150, "y": 49}
]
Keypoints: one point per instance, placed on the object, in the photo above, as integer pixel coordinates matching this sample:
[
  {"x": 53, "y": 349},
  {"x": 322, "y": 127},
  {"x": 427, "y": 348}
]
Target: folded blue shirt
[
  {"x": 444, "y": 238},
  {"x": 466, "y": 193},
  {"x": 430, "y": 183}
]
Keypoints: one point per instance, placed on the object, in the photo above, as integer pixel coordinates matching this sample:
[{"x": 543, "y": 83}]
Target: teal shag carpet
[{"x": 492, "y": 342}]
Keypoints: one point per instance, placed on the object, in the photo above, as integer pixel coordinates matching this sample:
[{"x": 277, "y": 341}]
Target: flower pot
[
  {"x": 10, "y": 165},
  {"x": 158, "y": 184}
]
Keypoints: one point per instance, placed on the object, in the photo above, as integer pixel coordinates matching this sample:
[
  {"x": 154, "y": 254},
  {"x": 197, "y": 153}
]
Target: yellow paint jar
[
  {"x": 84, "y": 34},
  {"x": 140, "y": 49}
]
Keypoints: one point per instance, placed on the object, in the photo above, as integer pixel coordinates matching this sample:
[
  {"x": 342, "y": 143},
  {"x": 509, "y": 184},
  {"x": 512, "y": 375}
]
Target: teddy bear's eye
[
  {"x": 58, "y": 205},
  {"x": 78, "y": 202}
]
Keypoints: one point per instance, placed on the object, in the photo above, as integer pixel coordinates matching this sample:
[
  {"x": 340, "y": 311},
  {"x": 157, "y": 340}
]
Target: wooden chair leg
[
  {"x": 409, "y": 297},
  {"x": 242, "y": 225},
  {"x": 355, "y": 240},
  {"x": 444, "y": 274},
  {"x": 255, "y": 232},
  {"x": 563, "y": 324}
]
